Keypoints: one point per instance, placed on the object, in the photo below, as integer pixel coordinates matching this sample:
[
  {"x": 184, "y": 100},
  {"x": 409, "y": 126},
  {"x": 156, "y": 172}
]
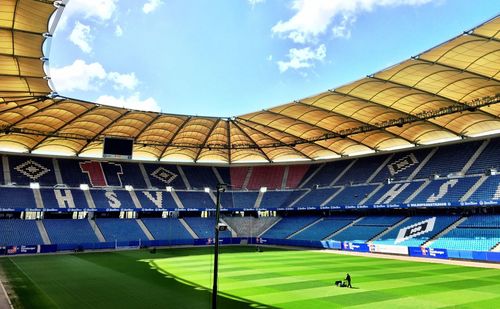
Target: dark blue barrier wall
[{"x": 428, "y": 252}]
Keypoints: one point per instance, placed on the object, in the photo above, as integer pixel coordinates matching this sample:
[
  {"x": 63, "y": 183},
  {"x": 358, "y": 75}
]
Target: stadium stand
[
  {"x": 120, "y": 229},
  {"x": 195, "y": 199},
  {"x": 316, "y": 197},
  {"x": 445, "y": 190},
  {"x": 425, "y": 231},
  {"x": 288, "y": 225},
  {"x": 24, "y": 170},
  {"x": 325, "y": 174},
  {"x": 19, "y": 232},
  {"x": 200, "y": 177},
  {"x": 69, "y": 231},
  {"x": 279, "y": 198},
  {"x": 238, "y": 199},
  {"x": 295, "y": 175},
  {"x": 168, "y": 228},
  {"x": 488, "y": 159},
  {"x": 112, "y": 199},
  {"x": 361, "y": 170},
  {"x": 270, "y": 177},
  {"x": 163, "y": 175},
  {"x": 155, "y": 199},
  {"x": 449, "y": 159},
  {"x": 352, "y": 195},
  {"x": 488, "y": 190},
  {"x": 20, "y": 198},
  {"x": 322, "y": 229},
  {"x": 396, "y": 193},
  {"x": 401, "y": 165},
  {"x": 204, "y": 227}
]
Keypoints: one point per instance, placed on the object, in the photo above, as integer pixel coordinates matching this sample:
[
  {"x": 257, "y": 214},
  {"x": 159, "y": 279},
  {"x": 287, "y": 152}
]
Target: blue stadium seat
[
  {"x": 19, "y": 232},
  {"x": 68, "y": 231}
]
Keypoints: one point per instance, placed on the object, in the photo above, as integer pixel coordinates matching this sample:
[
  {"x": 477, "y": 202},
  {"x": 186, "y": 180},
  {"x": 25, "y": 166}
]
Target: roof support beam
[
  {"x": 249, "y": 138},
  {"x": 203, "y": 145},
  {"x": 278, "y": 141},
  {"x": 173, "y": 137},
  {"x": 228, "y": 132}
]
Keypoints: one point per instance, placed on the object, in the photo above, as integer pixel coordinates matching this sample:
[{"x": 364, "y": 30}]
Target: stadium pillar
[{"x": 220, "y": 188}]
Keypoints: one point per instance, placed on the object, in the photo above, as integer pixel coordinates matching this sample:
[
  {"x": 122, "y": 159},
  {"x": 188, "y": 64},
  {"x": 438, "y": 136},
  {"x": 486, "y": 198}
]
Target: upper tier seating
[
  {"x": 394, "y": 193},
  {"x": 361, "y": 170},
  {"x": 449, "y": 159},
  {"x": 279, "y": 198},
  {"x": 164, "y": 175},
  {"x": 402, "y": 165},
  {"x": 196, "y": 199},
  {"x": 351, "y": 195},
  {"x": 445, "y": 190},
  {"x": 155, "y": 199},
  {"x": 295, "y": 175},
  {"x": 24, "y": 169},
  {"x": 112, "y": 199},
  {"x": 326, "y": 174},
  {"x": 234, "y": 199},
  {"x": 489, "y": 190},
  {"x": 63, "y": 198},
  {"x": 316, "y": 197},
  {"x": 489, "y": 158},
  {"x": 266, "y": 176},
  {"x": 200, "y": 177}
]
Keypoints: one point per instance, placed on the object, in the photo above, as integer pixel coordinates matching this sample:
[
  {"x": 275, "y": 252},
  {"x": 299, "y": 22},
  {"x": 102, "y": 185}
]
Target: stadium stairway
[
  {"x": 444, "y": 232},
  {"x": 299, "y": 198},
  {"x": 269, "y": 227},
  {"x": 229, "y": 228},
  {"x": 43, "y": 232},
  {"x": 189, "y": 229},
  {"x": 473, "y": 188},
  {"x": 496, "y": 248},
  {"x": 422, "y": 164},
  {"x": 417, "y": 192},
  {"x": 390, "y": 228},
  {"x": 176, "y": 199},
  {"x": 145, "y": 229},
  {"x": 343, "y": 172},
  {"x": 96, "y": 230},
  {"x": 304, "y": 228},
  {"x": 344, "y": 228},
  {"x": 259, "y": 199},
  {"x": 473, "y": 158}
]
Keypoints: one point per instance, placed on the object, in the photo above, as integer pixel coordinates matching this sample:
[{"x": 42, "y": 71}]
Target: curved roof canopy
[{"x": 448, "y": 92}]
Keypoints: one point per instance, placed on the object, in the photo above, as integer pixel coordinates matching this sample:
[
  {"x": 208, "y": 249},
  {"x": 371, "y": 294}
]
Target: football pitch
[{"x": 275, "y": 278}]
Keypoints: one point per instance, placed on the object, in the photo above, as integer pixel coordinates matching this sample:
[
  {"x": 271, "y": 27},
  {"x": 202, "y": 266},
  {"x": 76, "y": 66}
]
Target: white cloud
[
  {"x": 253, "y": 3},
  {"x": 118, "y": 30},
  {"x": 101, "y": 10},
  {"x": 151, "y": 6},
  {"x": 314, "y": 17},
  {"x": 122, "y": 81},
  {"x": 133, "y": 102},
  {"x": 78, "y": 76},
  {"x": 80, "y": 36},
  {"x": 82, "y": 76},
  {"x": 302, "y": 58}
]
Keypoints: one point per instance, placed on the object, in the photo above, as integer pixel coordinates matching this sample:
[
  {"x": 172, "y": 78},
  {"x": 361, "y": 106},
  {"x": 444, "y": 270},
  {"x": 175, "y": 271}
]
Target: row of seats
[
  {"x": 400, "y": 166},
  {"x": 477, "y": 232},
  {"x": 449, "y": 190}
]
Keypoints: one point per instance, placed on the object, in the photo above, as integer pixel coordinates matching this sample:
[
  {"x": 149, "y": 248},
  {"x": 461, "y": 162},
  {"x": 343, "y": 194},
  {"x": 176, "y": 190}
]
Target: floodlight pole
[{"x": 220, "y": 188}]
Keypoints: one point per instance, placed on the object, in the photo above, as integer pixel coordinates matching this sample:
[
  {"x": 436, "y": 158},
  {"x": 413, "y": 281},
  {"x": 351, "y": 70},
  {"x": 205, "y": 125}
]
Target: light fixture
[
  {"x": 84, "y": 187},
  {"x": 169, "y": 189},
  {"x": 34, "y": 185},
  {"x": 129, "y": 188},
  {"x": 263, "y": 189},
  {"x": 207, "y": 189}
]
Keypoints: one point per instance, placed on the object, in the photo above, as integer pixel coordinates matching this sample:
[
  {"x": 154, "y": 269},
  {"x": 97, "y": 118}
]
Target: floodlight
[
  {"x": 84, "y": 187},
  {"x": 207, "y": 189},
  {"x": 34, "y": 185},
  {"x": 263, "y": 189},
  {"x": 169, "y": 189},
  {"x": 129, "y": 188}
]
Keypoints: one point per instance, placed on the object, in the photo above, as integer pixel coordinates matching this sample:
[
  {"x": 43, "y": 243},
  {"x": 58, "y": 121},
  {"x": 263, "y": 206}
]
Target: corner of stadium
[{"x": 397, "y": 174}]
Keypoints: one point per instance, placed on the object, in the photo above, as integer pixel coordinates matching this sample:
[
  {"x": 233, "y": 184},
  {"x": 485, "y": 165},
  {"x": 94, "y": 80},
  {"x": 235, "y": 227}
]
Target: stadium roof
[{"x": 451, "y": 91}]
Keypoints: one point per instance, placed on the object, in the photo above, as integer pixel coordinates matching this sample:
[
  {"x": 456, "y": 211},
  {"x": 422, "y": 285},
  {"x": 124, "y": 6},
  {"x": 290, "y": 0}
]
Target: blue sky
[{"x": 227, "y": 58}]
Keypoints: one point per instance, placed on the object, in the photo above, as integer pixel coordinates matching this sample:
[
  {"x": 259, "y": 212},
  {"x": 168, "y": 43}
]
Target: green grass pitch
[{"x": 275, "y": 278}]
